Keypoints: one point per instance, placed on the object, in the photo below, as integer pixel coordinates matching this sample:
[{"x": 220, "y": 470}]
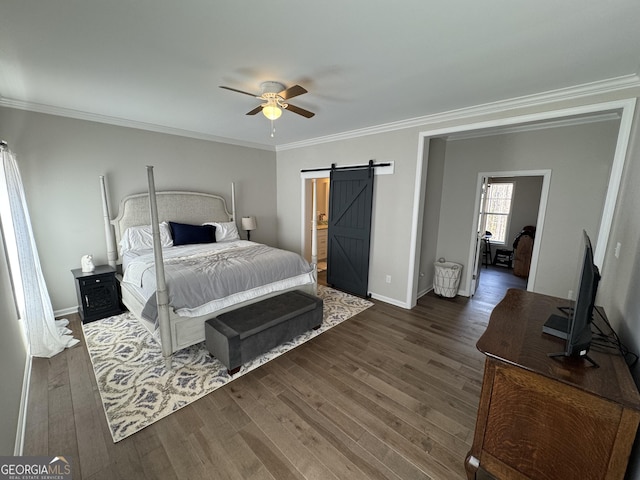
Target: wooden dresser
[{"x": 546, "y": 419}]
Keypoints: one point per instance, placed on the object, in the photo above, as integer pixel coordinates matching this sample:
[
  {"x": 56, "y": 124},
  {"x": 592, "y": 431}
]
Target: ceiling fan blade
[
  {"x": 239, "y": 91},
  {"x": 291, "y": 92},
  {"x": 258, "y": 109},
  {"x": 300, "y": 111}
]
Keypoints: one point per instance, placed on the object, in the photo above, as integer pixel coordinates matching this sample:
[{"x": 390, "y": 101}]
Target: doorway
[
  {"x": 495, "y": 282},
  {"x": 530, "y": 190},
  {"x": 321, "y": 174},
  {"x": 319, "y": 213},
  {"x": 623, "y": 108}
]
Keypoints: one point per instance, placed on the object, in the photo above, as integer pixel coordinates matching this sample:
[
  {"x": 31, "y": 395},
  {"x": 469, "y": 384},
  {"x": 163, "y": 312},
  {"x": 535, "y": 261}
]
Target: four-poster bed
[{"x": 226, "y": 274}]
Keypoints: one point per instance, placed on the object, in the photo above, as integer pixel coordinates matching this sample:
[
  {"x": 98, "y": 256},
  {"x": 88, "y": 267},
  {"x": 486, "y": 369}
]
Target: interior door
[
  {"x": 349, "y": 231},
  {"x": 477, "y": 263}
]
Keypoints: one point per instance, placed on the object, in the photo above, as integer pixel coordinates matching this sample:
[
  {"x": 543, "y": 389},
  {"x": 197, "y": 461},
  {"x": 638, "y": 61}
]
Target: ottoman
[{"x": 238, "y": 336}]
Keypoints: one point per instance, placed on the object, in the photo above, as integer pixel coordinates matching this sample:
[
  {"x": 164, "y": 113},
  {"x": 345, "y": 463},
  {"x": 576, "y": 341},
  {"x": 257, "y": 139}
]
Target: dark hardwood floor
[
  {"x": 495, "y": 280},
  {"x": 390, "y": 393}
]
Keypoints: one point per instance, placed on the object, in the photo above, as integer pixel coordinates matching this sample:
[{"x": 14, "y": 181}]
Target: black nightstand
[{"x": 98, "y": 293}]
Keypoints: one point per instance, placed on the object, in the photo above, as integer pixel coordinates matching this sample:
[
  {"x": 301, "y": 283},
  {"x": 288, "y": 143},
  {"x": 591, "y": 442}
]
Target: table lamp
[{"x": 248, "y": 224}]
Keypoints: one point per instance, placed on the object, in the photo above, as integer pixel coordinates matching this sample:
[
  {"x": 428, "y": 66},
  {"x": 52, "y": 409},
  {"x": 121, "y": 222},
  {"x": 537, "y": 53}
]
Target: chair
[
  {"x": 523, "y": 249},
  {"x": 486, "y": 240}
]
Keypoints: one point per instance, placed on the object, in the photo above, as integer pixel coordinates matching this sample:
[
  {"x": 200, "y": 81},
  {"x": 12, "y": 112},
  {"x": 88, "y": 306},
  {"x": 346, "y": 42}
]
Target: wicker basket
[{"x": 447, "y": 279}]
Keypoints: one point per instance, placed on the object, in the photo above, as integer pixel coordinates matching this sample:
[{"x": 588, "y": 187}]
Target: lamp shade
[{"x": 249, "y": 223}]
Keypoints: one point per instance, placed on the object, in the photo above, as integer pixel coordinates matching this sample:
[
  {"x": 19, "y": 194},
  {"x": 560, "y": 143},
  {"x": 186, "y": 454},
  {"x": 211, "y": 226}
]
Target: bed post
[
  {"x": 112, "y": 254},
  {"x": 162, "y": 296}
]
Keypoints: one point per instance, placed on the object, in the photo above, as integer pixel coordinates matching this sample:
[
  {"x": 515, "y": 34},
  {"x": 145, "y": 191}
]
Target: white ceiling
[{"x": 364, "y": 62}]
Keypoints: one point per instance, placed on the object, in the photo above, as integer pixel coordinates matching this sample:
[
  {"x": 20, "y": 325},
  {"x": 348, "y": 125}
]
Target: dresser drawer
[{"x": 97, "y": 280}]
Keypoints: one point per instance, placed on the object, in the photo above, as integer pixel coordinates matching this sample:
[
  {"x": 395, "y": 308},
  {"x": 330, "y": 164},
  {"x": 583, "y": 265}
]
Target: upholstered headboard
[{"x": 184, "y": 207}]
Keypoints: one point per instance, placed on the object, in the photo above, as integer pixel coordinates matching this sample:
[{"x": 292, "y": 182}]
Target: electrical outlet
[
  {"x": 388, "y": 279},
  {"x": 617, "y": 250}
]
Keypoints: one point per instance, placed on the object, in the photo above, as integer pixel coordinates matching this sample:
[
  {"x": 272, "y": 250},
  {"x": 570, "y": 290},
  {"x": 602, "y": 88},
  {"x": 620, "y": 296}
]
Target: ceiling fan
[{"x": 274, "y": 94}]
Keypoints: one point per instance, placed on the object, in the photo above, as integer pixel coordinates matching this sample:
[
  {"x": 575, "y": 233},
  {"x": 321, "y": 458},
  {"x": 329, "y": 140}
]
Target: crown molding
[
  {"x": 122, "y": 122},
  {"x": 542, "y": 125},
  {"x": 539, "y": 99}
]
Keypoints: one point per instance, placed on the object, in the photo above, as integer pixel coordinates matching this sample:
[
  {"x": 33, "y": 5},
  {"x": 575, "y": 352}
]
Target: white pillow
[
  {"x": 141, "y": 238},
  {"x": 225, "y": 231}
]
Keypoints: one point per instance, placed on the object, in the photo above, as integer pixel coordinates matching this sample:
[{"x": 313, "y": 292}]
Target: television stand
[
  {"x": 585, "y": 356},
  {"x": 542, "y": 418}
]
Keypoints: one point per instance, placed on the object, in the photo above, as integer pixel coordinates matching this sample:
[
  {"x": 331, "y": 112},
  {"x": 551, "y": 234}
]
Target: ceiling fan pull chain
[{"x": 273, "y": 129}]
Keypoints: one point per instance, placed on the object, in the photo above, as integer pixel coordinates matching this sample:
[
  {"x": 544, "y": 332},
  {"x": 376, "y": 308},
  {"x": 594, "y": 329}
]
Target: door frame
[
  {"x": 625, "y": 107},
  {"x": 320, "y": 171},
  {"x": 542, "y": 208},
  {"x": 306, "y": 218},
  {"x": 479, "y": 245}
]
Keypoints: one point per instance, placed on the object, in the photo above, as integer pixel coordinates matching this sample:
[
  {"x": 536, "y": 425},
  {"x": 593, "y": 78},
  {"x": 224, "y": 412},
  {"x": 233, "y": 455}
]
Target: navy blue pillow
[{"x": 184, "y": 234}]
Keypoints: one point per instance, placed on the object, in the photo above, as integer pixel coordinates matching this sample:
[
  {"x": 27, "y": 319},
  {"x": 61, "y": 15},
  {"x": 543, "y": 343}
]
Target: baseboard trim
[
  {"x": 422, "y": 293},
  {"x": 66, "y": 311},
  {"x": 389, "y": 300}
]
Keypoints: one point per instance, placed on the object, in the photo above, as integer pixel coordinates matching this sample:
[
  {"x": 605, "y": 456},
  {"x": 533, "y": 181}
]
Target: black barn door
[{"x": 350, "y": 204}]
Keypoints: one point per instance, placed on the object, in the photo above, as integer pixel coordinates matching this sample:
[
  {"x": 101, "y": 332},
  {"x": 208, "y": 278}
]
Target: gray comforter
[{"x": 204, "y": 278}]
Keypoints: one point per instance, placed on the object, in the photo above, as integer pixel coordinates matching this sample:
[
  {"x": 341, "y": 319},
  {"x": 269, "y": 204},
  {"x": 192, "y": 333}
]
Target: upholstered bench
[{"x": 238, "y": 336}]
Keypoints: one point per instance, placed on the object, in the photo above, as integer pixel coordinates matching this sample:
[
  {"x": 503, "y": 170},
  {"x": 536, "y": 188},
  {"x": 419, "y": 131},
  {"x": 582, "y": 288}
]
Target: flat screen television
[{"x": 575, "y": 326}]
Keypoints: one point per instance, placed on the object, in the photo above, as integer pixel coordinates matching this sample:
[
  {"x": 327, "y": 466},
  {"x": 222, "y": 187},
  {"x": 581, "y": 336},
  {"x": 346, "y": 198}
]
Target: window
[
  {"x": 10, "y": 244},
  {"x": 498, "y": 210}
]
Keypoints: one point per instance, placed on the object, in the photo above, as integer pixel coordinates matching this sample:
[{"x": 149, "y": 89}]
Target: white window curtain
[{"x": 45, "y": 335}]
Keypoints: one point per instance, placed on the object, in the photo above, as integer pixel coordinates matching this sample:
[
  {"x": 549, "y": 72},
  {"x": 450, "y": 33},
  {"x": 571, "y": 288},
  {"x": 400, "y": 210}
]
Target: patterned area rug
[{"x": 136, "y": 388}]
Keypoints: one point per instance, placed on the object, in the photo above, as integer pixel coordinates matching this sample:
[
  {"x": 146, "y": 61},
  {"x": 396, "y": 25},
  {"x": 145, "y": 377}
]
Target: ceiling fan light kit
[
  {"x": 274, "y": 95},
  {"x": 273, "y": 108},
  {"x": 272, "y": 112}
]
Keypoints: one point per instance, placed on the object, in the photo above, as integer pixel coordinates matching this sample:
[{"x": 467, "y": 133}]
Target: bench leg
[{"x": 233, "y": 371}]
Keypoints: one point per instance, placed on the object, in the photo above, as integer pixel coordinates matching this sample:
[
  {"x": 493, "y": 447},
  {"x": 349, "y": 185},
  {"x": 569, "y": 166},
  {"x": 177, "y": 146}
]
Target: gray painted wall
[
  {"x": 392, "y": 203},
  {"x": 580, "y": 158},
  {"x": 60, "y": 160},
  {"x": 620, "y": 284},
  {"x": 431, "y": 216}
]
